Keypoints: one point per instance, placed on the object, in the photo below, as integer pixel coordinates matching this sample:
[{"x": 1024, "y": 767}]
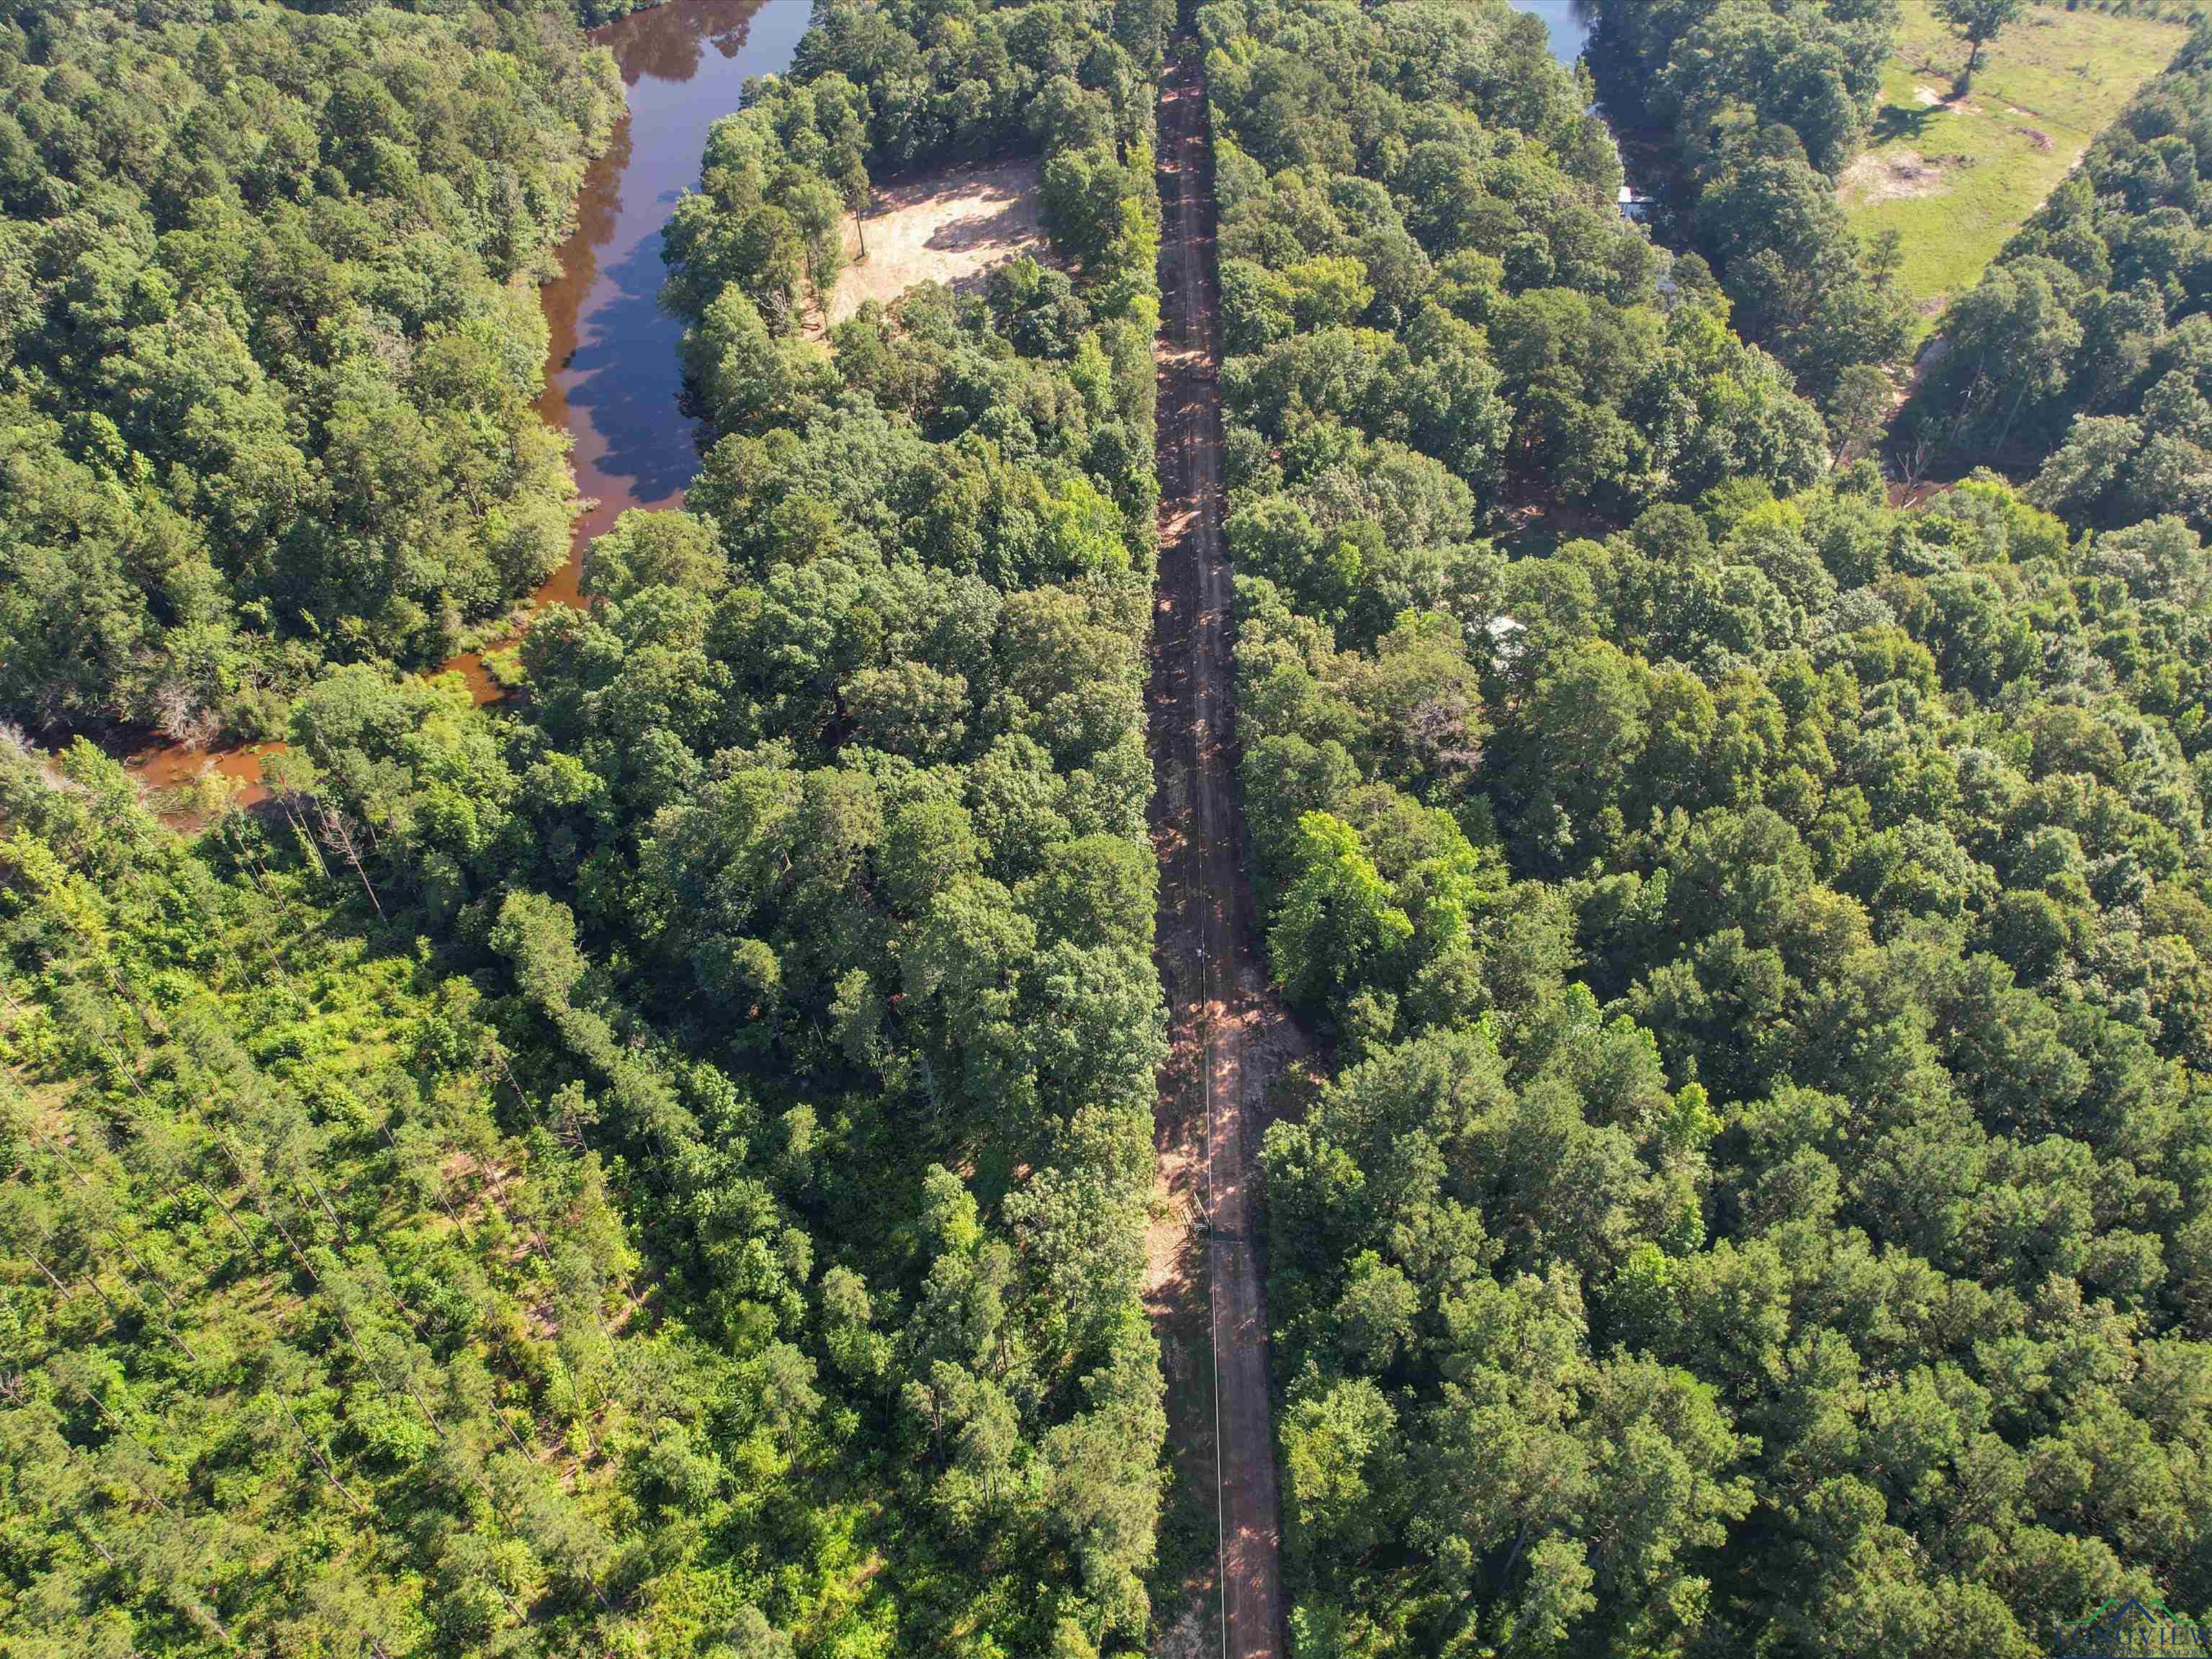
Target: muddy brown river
[{"x": 611, "y": 374}]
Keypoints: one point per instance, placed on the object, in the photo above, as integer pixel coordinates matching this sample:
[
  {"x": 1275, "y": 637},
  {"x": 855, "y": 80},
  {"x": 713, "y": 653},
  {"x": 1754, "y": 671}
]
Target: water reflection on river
[
  {"x": 1568, "y": 22},
  {"x": 613, "y": 376}
]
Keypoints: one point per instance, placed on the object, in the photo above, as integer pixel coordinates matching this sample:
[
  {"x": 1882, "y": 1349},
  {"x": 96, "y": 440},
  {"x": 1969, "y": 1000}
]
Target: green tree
[
  {"x": 1977, "y": 22},
  {"x": 1337, "y": 927}
]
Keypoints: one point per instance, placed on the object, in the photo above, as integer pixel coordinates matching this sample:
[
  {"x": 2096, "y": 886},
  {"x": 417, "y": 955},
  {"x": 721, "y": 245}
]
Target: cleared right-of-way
[{"x": 1231, "y": 1034}]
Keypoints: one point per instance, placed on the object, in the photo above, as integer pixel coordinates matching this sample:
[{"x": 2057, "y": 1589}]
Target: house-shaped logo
[{"x": 2131, "y": 1627}]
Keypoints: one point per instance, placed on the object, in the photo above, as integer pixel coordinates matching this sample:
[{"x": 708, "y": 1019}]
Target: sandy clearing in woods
[{"x": 948, "y": 226}]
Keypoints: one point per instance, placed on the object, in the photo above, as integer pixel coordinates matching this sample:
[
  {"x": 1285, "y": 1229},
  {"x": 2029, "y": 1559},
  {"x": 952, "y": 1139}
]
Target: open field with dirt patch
[
  {"x": 1956, "y": 176},
  {"x": 939, "y": 227}
]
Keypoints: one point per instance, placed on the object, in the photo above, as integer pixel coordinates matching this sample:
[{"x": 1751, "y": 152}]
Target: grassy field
[{"x": 1957, "y": 178}]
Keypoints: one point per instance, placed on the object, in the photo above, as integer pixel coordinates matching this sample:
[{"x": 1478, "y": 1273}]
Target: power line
[{"x": 1197, "y": 642}]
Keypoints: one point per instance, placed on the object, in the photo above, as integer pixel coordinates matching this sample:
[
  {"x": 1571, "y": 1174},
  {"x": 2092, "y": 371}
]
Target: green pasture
[{"x": 1957, "y": 177}]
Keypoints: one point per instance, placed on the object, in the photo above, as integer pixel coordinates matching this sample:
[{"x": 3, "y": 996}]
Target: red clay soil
[{"x": 1231, "y": 1037}]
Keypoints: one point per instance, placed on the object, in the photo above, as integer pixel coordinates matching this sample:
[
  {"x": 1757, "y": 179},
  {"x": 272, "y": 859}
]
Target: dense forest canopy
[
  {"x": 1763, "y": 1203},
  {"x": 1432, "y": 307},
  {"x": 270, "y": 343},
  {"x": 1768, "y": 1190},
  {"x": 662, "y": 1165},
  {"x": 799, "y": 916},
  {"x": 313, "y": 1287}
]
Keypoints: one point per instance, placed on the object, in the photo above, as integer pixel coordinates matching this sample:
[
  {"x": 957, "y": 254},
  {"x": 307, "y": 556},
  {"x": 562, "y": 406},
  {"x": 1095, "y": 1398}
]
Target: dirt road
[{"x": 1231, "y": 1037}]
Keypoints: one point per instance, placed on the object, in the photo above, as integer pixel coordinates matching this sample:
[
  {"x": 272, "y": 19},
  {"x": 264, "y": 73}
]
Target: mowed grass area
[{"x": 1957, "y": 178}]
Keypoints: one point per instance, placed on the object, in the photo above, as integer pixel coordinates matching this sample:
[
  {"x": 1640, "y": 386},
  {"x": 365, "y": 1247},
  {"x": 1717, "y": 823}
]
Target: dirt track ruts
[{"x": 1230, "y": 1034}]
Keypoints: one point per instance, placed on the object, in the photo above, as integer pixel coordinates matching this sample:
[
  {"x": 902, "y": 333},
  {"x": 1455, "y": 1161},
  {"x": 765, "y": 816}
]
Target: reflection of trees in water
[
  {"x": 625, "y": 385},
  {"x": 598, "y": 208},
  {"x": 614, "y": 376},
  {"x": 664, "y": 42}
]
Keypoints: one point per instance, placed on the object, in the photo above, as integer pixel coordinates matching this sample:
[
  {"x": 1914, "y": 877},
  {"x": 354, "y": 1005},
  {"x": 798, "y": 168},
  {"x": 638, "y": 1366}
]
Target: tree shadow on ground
[{"x": 1893, "y": 121}]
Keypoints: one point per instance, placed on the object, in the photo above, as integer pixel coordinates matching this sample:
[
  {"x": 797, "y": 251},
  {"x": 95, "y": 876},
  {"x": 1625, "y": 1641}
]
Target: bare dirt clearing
[
  {"x": 1890, "y": 175},
  {"x": 949, "y": 227}
]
